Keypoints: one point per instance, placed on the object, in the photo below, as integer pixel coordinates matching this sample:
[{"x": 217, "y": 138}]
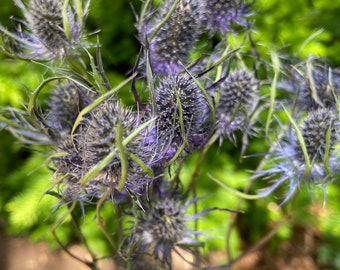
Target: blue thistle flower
[
  {"x": 238, "y": 98},
  {"x": 314, "y": 83},
  {"x": 161, "y": 229},
  {"x": 182, "y": 119},
  {"x": 93, "y": 141},
  {"x": 65, "y": 103},
  {"x": 220, "y": 15},
  {"x": 314, "y": 163},
  {"x": 46, "y": 37},
  {"x": 170, "y": 48}
]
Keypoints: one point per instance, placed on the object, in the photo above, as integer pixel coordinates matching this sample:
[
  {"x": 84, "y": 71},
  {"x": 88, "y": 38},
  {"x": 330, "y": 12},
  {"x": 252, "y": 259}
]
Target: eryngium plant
[
  {"x": 314, "y": 83},
  {"x": 161, "y": 229},
  {"x": 133, "y": 160},
  {"x": 105, "y": 127}
]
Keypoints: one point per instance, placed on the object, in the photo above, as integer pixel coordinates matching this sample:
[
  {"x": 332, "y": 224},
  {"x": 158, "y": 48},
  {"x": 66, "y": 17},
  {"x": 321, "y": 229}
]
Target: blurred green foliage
[{"x": 299, "y": 28}]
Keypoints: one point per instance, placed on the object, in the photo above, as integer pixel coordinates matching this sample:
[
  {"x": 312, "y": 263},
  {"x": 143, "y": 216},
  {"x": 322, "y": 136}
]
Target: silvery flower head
[
  {"x": 220, "y": 15},
  {"x": 182, "y": 119},
  {"x": 47, "y": 33},
  {"x": 169, "y": 49},
  {"x": 314, "y": 83},
  {"x": 315, "y": 161},
  {"x": 238, "y": 98}
]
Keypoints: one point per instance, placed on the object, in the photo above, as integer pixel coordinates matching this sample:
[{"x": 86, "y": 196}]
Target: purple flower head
[
  {"x": 315, "y": 163},
  {"x": 162, "y": 228},
  {"x": 170, "y": 47},
  {"x": 182, "y": 118},
  {"x": 93, "y": 142},
  {"x": 220, "y": 15},
  {"x": 314, "y": 83},
  {"x": 238, "y": 98},
  {"x": 65, "y": 103},
  {"x": 46, "y": 37}
]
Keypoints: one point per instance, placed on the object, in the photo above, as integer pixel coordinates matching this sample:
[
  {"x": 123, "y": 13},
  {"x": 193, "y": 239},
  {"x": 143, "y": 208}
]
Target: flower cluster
[{"x": 101, "y": 150}]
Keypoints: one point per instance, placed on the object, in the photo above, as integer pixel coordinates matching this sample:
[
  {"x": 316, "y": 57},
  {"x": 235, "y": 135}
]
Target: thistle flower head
[
  {"x": 161, "y": 228},
  {"x": 50, "y": 34},
  {"x": 315, "y": 84},
  {"x": 170, "y": 47},
  {"x": 101, "y": 139},
  {"x": 220, "y": 15},
  {"x": 238, "y": 97},
  {"x": 65, "y": 103},
  {"x": 97, "y": 138},
  {"x": 183, "y": 115},
  {"x": 314, "y": 161}
]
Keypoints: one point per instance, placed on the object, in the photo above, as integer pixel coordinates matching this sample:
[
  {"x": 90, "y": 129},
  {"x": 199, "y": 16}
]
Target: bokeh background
[{"x": 310, "y": 237}]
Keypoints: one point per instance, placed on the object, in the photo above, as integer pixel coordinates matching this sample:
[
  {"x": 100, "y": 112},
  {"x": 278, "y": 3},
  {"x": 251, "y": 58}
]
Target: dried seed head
[{"x": 239, "y": 94}]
